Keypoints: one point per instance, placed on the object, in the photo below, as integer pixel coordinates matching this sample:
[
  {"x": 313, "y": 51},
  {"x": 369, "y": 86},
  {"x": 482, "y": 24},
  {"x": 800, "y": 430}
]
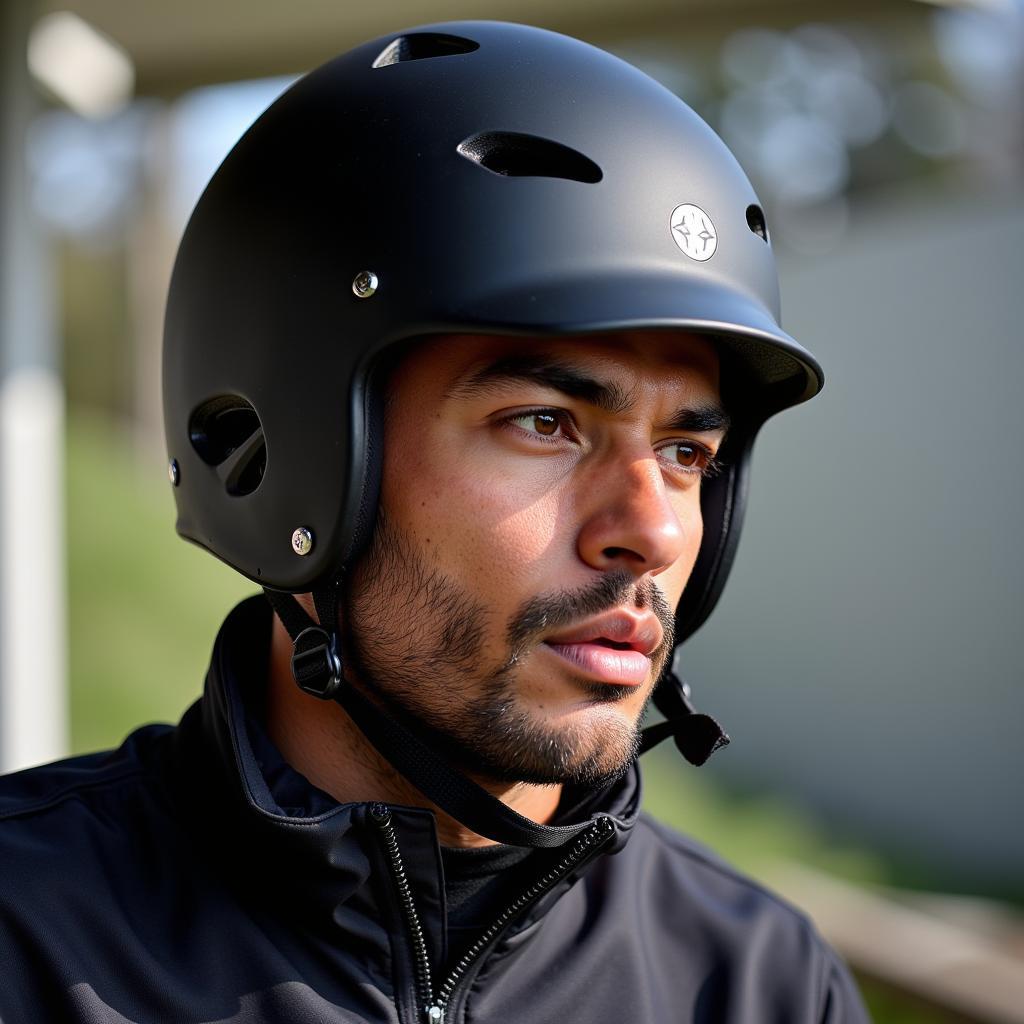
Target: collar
[{"x": 276, "y": 834}]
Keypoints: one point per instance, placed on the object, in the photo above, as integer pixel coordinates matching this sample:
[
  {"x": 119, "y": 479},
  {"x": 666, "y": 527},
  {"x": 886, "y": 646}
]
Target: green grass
[{"x": 145, "y": 608}]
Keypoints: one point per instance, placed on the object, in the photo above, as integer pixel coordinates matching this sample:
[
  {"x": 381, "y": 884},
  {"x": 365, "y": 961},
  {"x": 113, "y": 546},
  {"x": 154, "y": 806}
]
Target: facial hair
[{"x": 415, "y": 639}]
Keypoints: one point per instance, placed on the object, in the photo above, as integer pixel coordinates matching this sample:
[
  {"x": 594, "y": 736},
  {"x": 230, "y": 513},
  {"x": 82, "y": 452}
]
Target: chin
[{"x": 588, "y": 743}]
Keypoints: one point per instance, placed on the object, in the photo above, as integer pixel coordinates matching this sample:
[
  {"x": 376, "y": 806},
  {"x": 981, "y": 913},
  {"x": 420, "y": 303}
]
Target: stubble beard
[{"x": 415, "y": 640}]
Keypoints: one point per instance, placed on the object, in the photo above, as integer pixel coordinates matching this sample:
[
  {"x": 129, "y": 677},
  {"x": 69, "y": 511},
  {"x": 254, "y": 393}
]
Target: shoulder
[
  {"x": 81, "y": 781},
  {"x": 690, "y": 863},
  {"x": 61, "y": 818},
  {"x": 704, "y": 907},
  {"x": 85, "y": 845},
  {"x": 681, "y": 864}
]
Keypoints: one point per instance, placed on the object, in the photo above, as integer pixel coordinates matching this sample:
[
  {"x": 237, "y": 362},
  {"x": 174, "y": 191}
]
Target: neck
[{"x": 318, "y": 739}]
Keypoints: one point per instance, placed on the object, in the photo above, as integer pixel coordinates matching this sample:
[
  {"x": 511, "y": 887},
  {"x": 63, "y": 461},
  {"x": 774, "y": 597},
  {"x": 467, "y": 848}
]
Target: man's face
[{"x": 539, "y": 518}]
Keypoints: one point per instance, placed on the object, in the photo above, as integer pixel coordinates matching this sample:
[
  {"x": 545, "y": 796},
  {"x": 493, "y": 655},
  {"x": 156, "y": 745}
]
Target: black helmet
[{"x": 467, "y": 177}]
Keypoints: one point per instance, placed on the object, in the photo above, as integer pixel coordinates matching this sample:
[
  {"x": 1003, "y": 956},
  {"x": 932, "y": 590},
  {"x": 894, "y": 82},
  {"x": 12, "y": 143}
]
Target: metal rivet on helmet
[
  {"x": 302, "y": 541},
  {"x": 365, "y": 284}
]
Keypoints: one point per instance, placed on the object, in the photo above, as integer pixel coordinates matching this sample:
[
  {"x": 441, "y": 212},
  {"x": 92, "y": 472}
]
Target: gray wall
[{"x": 867, "y": 653}]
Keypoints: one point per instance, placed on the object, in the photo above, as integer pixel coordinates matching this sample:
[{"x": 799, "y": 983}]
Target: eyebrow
[{"x": 605, "y": 395}]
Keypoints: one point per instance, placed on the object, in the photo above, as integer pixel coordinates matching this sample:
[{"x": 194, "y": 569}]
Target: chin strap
[
  {"x": 318, "y": 670},
  {"x": 697, "y": 735}
]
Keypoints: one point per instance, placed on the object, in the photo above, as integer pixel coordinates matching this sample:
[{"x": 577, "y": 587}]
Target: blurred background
[{"x": 866, "y": 655}]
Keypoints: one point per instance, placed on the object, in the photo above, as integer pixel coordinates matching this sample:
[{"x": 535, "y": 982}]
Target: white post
[{"x": 33, "y": 627}]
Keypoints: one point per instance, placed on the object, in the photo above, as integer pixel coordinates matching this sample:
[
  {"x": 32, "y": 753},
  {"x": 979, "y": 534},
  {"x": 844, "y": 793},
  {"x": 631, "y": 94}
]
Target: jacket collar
[{"x": 270, "y": 827}]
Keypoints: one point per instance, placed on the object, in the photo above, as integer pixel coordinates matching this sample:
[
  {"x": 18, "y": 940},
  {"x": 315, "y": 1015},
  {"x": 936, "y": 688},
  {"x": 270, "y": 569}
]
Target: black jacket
[{"x": 177, "y": 880}]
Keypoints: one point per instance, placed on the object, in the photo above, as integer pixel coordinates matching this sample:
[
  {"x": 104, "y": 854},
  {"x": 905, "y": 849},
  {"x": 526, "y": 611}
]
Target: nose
[{"x": 632, "y": 523}]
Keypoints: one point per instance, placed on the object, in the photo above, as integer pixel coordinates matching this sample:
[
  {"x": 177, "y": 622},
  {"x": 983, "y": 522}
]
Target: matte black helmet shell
[{"x": 492, "y": 178}]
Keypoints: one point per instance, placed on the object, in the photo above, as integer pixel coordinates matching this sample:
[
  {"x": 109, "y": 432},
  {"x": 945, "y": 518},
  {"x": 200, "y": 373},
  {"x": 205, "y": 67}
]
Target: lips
[{"x": 613, "y": 648}]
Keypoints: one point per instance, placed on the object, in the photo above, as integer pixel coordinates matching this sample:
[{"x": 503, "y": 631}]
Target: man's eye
[
  {"x": 693, "y": 458},
  {"x": 545, "y": 422}
]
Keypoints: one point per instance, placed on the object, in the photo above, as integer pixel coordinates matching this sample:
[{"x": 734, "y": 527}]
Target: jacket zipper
[{"x": 434, "y": 1006}]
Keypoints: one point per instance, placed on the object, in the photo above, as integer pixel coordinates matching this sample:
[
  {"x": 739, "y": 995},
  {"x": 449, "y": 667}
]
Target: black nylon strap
[
  {"x": 697, "y": 735},
  {"x": 654, "y": 734},
  {"x": 458, "y": 796},
  {"x": 326, "y": 601},
  {"x": 289, "y": 611},
  {"x": 463, "y": 799}
]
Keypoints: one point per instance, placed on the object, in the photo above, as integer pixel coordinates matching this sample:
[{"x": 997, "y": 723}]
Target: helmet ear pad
[
  {"x": 372, "y": 397},
  {"x": 723, "y": 498},
  {"x": 723, "y": 503}
]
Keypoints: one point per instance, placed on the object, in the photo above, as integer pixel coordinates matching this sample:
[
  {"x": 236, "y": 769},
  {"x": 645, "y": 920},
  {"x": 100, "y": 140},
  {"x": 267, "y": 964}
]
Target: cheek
[
  {"x": 483, "y": 527},
  {"x": 505, "y": 529},
  {"x": 673, "y": 580}
]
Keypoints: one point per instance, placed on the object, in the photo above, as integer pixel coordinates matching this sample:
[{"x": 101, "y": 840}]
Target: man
[{"x": 466, "y": 346}]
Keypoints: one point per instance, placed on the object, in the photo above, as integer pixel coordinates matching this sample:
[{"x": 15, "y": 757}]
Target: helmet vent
[
  {"x": 528, "y": 156},
  {"x": 227, "y": 434},
  {"x": 422, "y": 46},
  {"x": 755, "y": 221}
]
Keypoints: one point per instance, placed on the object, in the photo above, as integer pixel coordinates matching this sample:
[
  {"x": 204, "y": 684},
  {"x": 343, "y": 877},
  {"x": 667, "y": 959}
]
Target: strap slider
[
  {"x": 698, "y": 736},
  {"x": 316, "y": 665}
]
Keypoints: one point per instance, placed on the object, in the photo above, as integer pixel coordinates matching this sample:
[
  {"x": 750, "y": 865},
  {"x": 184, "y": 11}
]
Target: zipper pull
[
  {"x": 435, "y": 1015},
  {"x": 380, "y": 814}
]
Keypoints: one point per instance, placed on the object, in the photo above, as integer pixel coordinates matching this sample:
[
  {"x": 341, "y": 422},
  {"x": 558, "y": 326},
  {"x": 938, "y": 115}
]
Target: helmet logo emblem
[{"x": 694, "y": 232}]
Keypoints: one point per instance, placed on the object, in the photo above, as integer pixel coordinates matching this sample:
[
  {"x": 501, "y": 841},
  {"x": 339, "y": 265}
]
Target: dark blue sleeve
[{"x": 842, "y": 1003}]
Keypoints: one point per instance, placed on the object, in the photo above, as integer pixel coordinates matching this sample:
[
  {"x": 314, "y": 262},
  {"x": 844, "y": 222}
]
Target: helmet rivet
[
  {"x": 173, "y": 472},
  {"x": 365, "y": 284},
  {"x": 302, "y": 541}
]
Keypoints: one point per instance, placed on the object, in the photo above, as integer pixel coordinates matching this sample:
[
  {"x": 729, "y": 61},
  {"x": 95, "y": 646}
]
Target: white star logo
[{"x": 694, "y": 232}]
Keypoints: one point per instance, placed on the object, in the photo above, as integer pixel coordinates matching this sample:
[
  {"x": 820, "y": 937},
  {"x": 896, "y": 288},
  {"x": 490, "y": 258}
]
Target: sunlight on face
[{"x": 540, "y": 516}]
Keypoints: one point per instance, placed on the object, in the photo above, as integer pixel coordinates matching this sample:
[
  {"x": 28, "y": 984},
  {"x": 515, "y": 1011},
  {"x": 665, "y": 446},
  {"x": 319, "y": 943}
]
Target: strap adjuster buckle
[{"x": 316, "y": 666}]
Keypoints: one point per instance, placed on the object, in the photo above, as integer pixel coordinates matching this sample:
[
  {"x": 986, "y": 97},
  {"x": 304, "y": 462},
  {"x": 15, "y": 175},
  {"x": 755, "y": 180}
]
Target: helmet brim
[{"x": 779, "y": 371}]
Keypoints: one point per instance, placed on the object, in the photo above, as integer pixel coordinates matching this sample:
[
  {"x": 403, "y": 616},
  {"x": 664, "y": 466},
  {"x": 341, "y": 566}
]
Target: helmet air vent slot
[
  {"x": 756, "y": 222},
  {"x": 422, "y": 46},
  {"x": 227, "y": 434},
  {"x": 515, "y": 155}
]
